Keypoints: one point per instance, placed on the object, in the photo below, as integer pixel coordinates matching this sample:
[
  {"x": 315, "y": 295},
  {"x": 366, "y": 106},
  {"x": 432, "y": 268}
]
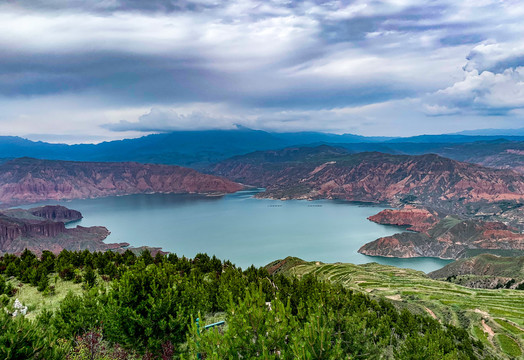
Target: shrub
[
  {"x": 21, "y": 339},
  {"x": 11, "y": 269},
  {"x": 43, "y": 283},
  {"x": 89, "y": 277},
  {"x": 67, "y": 273},
  {"x": 3, "y": 285}
]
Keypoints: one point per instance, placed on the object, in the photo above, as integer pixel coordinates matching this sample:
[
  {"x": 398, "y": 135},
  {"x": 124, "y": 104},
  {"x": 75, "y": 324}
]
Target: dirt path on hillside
[
  {"x": 489, "y": 330},
  {"x": 431, "y": 313},
  {"x": 486, "y": 327}
]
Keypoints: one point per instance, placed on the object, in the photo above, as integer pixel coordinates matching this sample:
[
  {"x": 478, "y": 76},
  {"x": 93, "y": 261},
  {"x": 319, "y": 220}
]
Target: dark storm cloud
[
  {"x": 176, "y": 76},
  {"x": 135, "y": 77},
  {"x": 104, "y": 6}
]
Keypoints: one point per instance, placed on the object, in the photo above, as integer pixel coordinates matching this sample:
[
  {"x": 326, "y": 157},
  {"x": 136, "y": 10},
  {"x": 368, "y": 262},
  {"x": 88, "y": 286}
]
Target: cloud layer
[{"x": 114, "y": 68}]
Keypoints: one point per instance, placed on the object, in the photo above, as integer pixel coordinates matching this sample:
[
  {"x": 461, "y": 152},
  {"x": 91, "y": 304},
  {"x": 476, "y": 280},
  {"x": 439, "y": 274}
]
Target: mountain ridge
[
  {"x": 27, "y": 180},
  {"x": 325, "y": 172}
]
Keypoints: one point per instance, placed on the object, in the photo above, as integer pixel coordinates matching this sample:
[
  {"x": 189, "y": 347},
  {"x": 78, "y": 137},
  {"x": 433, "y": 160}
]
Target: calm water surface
[{"x": 243, "y": 229}]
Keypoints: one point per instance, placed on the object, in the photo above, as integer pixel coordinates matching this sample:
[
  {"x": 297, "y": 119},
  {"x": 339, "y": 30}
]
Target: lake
[{"x": 244, "y": 229}]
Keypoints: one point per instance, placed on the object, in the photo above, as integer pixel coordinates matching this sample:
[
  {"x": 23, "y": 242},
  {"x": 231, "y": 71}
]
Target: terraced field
[{"x": 496, "y": 317}]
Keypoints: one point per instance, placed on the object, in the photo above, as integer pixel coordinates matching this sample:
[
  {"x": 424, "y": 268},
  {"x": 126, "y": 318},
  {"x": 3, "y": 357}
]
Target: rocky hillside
[
  {"x": 326, "y": 172},
  {"x": 27, "y": 180},
  {"x": 451, "y": 238},
  {"x": 484, "y": 271},
  {"x": 43, "y": 228},
  {"x": 414, "y": 219},
  {"x": 485, "y": 264}
]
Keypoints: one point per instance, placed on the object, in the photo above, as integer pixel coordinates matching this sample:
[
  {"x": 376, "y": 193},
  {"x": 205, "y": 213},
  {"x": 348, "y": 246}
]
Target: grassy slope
[
  {"x": 36, "y": 301},
  {"x": 502, "y": 311}
]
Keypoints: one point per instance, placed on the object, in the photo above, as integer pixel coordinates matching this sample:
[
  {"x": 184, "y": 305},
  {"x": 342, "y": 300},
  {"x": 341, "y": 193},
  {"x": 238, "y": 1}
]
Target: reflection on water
[{"x": 243, "y": 229}]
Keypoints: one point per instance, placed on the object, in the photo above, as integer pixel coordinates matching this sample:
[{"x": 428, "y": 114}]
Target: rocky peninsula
[
  {"x": 449, "y": 238},
  {"x": 43, "y": 228}
]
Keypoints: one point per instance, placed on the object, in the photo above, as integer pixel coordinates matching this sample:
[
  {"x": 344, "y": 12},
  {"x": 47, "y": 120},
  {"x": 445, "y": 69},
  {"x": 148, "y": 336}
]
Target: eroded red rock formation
[
  {"x": 21, "y": 229},
  {"x": 419, "y": 220},
  {"x": 28, "y": 180},
  {"x": 427, "y": 180},
  {"x": 451, "y": 238}
]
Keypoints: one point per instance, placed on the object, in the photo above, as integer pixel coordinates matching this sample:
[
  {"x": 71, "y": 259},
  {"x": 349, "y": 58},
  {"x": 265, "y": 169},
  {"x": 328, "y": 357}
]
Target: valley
[
  {"x": 451, "y": 209},
  {"x": 154, "y": 218},
  {"x": 261, "y": 180},
  {"x": 245, "y": 229},
  {"x": 454, "y": 208}
]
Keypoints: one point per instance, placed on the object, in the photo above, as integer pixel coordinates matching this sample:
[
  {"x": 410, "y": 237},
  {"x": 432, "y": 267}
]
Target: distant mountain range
[
  {"x": 188, "y": 148},
  {"x": 198, "y": 149},
  {"x": 493, "y": 132},
  {"x": 499, "y": 154}
]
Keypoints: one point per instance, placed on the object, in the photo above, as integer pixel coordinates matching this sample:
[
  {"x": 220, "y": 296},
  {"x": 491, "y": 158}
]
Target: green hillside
[
  {"x": 495, "y": 317},
  {"x": 109, "y": 306}
]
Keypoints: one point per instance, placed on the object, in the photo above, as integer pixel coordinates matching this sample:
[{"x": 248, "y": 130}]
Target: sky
[{"x": 93, "y": 70}]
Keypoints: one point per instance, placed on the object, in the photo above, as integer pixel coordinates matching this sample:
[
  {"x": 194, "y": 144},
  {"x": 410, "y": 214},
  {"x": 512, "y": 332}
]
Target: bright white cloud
[
  {"x": 417, "y": 66},
  {"x": 166, "y": 119},
  {"x": 489, "y": 55},
  {"x": 484, "y": 92}
]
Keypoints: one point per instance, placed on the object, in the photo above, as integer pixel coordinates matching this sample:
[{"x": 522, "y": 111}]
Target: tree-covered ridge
[{"x": 143, "y": 307}]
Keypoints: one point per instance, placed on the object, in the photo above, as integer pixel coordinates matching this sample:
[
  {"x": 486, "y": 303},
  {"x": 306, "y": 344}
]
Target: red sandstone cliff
[
  {"x": 451, "y": 238},
  {"x": 12, "y": 229},
  {"x": 21, "y": 229},
  {"x": 28, "y": 180},
  {"x": 419, "y": 220}
]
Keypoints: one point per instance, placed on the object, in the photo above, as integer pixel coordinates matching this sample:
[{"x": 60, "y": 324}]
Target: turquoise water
[{"x": 243, "y": 229}]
